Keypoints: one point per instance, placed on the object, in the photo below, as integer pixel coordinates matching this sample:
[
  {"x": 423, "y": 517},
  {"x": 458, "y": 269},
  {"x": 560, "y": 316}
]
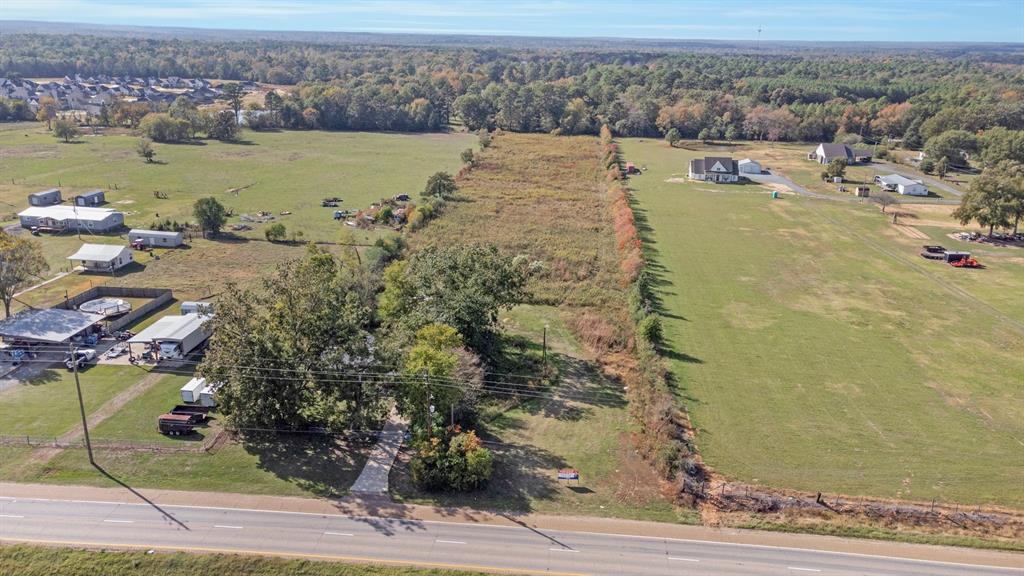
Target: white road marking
[
  {"x": 120, "y": 521},
  {"x": 683, "y": 559},
  {"x": 10, "y": 516},
  {"x": 338, "y": 534},
  {"x": 803, "y": 569},
  {"x": 448, "y": 542},
  {"x": 562, "y": 550},
  {"x": 226, "y": 526}
]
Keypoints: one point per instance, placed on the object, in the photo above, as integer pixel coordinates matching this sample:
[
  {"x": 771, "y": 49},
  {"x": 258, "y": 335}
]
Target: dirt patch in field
[
  {"x": 747, "y": 317},
  {"x": 937, "y": 215},
  {"x": 32, "y": 151}
]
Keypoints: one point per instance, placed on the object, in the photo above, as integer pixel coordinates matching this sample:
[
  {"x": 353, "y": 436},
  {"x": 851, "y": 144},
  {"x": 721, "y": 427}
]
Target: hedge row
[{"x": 663, "y": 435}]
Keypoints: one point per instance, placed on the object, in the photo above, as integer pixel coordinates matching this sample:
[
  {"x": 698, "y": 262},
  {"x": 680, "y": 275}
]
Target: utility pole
[
  {"x": 81, "y": 404},
  {"x": 545, "y": 348}
]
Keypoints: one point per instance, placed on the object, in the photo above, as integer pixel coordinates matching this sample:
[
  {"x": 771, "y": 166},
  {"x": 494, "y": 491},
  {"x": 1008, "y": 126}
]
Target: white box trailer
[
  {"x": 207, "y": 396},
  {"x": 191, "y": 392}
]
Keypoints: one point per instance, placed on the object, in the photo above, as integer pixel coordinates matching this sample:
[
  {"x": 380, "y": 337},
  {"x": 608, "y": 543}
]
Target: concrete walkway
[{"x": 373, "y": 480}]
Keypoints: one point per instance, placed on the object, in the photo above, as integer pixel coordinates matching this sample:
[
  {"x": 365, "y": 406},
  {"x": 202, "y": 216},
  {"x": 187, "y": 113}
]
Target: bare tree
[{"x": 885, "y": 199}]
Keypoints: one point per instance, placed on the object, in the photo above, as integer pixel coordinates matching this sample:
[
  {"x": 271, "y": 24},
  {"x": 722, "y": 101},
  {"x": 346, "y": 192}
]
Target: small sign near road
[{"x": 569, "y": 474}]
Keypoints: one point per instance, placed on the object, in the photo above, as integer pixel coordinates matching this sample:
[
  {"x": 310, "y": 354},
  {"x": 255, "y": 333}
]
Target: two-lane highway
[{"x": 429, "y": 543}]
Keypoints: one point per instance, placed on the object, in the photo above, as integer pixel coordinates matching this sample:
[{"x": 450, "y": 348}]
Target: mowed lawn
[
  {"x": 48, "y": 404},
  {"x": 271, "y": 171},
  {"x": 814, "y": 349}
]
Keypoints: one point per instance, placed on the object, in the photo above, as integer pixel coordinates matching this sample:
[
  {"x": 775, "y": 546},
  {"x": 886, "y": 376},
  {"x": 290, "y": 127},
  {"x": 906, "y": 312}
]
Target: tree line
[{"x": 776, "y": 96}]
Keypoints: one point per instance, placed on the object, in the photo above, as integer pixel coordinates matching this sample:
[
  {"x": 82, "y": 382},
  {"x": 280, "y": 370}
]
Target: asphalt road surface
[{"x": 517, "y": 550}]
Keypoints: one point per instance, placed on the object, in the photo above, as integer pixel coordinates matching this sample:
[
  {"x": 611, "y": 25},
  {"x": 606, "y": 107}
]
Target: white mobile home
[
  {"x": 102, "y": 257},
  {"x": 151, "y": 238},
  {"x": 71, "y": 218}
]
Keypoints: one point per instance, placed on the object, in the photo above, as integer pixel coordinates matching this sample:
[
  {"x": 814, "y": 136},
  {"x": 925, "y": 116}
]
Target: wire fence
[{"x": 109, "y": 443}]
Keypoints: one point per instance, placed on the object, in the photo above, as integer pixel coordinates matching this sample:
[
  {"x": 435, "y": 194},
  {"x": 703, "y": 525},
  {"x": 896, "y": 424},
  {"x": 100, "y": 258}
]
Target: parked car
[{"x": 81, "y": 358}]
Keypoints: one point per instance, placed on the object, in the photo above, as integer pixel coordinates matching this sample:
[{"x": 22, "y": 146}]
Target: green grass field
[
  {"x": 40, "y": 561},
  {"x": 276, "y": 171},
  {"x": 48, "y": 405},
  {"x": 815, "y": 350}
]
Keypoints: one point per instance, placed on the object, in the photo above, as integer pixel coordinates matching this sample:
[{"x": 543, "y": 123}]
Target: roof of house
[
  {"x": 703, "y": 165},
  {"x": 154, "y": 233},
  {"x": 833, "y": 151},
  {"x": 64, "y": 212},
  {"x": 748, "y": 161},
  {"x": 897, "y": 180},
  {"x": 92, "y": 193},
  {"x": 171, "y": 328},
  {"x": 46, "y": 192},
  {"x": 99, "y": 252},
  {"x": 47, "y": 324}
]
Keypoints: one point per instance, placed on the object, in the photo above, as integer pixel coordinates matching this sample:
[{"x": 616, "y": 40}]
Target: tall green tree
[
  {"x": 462, "y": 286},
  {"x": 210, "y": 214},
  {"x": 223, "y": 126},
  {"x": 232, "y": 92},
  {"x": 21, "y": 261},
  {"x": 65, "y": 129},
  {"x": 987, "y": 201},
  {"x": 294, "y": 351},
  {"x": 441, "y": 185},
  {"x": 954, "y": 145}
]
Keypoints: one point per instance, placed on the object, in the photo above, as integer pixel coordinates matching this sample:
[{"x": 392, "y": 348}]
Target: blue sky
[{"x": 868, "y": 20}]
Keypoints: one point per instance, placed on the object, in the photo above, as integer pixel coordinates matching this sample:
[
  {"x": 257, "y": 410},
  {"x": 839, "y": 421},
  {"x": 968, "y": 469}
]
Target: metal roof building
[
  {"x": 103, "y": 257},
  {"x": 52, "y": 325},
  {"x": 72, "y": 218}
]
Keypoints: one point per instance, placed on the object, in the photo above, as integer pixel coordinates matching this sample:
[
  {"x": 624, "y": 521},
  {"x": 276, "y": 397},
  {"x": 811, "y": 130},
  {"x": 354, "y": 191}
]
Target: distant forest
[{"x": 776, "y": 95}]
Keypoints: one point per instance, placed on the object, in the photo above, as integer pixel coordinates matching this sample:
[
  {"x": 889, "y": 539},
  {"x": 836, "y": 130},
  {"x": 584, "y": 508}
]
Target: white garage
[
  {"x": 902, "y": 184},
  {"x": 748, "y": 166}
]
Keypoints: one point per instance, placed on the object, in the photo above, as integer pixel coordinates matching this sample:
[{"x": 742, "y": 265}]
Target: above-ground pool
[{"x": 106, "y": 306}]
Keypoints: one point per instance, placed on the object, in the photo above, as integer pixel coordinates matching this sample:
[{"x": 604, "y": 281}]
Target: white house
[
  {"x": 64, "y": 217},
  {"x": 902, "y": 184},
  {"x": 714, "y": 169},
  {"x": 748, "y": 166},
  {"x": 827, "y": 152},
  {"x": 162, "y": 238},
  {"x": 102, "y": 257}
]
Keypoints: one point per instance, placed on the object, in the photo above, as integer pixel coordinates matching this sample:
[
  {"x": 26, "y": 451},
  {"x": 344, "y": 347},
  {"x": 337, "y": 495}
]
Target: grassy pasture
[
  {"x": 815, "y": 350},
  {"x": 544, "y": 197},
  {"x": 272, "y": 171}
]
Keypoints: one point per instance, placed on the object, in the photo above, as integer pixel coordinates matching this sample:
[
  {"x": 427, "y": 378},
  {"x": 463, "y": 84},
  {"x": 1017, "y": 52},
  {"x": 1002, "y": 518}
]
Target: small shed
[
  {"x": 45, "y": 198},
  {"x": 192, "y": 389},
  {"x": 94, "y": 198},
  {"x": 102, "y": 257},
  {"x": 863, "y": 191},
  {"x": 748, "y": 166},
  {"x": 163, "y": 238}
]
